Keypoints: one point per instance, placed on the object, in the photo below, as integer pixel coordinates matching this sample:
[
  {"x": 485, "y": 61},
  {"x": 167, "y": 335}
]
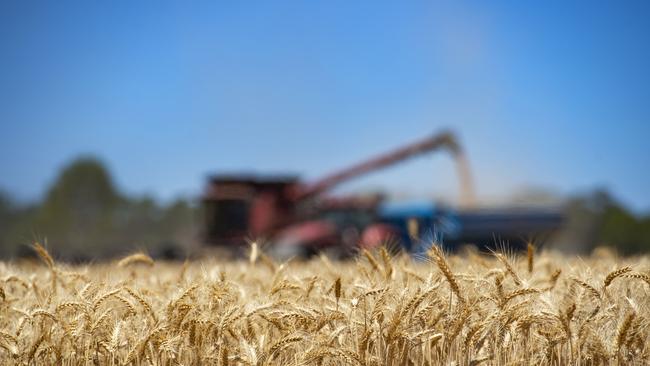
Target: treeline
[
  {"x": 83, "y": 216},
  {"x": 597, "y": 219}
]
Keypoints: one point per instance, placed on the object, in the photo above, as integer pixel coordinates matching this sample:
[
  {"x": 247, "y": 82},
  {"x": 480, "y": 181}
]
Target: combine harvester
[{"x": 299, "y": 219}]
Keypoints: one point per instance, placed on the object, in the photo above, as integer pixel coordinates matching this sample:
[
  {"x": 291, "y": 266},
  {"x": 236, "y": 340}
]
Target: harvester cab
[{"x": 242, "y": 206}]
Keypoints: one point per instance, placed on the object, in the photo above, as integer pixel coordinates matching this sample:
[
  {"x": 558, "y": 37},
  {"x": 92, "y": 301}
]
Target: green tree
[
  {"x": 84, "y": 216},
  {"x": 7, "y": 213},
  {"x": 80, "y": 212},
  {"x": 624, "y": 230},
  {"x": 15, "y": 226}
]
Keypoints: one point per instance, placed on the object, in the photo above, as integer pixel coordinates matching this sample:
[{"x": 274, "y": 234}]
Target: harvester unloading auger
[
  {"x": 443, "y": 141},
  {"x": 285, "y": 211}
]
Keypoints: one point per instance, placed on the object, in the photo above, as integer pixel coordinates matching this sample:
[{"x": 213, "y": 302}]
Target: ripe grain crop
[{"x": 380, "y": 309}]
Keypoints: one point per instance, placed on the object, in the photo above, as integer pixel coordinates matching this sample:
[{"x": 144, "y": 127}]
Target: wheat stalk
[
  {"x": 136, "y": 258},
  {"x": 436, "y": 254},
  {"x": 379, "y": 310}
]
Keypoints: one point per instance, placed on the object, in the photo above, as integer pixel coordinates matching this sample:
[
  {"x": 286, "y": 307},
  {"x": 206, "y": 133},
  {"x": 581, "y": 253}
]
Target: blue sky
[{"x": 555, "y": 97}]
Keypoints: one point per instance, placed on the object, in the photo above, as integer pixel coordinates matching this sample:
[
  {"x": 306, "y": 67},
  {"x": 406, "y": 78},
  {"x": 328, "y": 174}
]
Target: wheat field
[{"x": 465, "y": 309}]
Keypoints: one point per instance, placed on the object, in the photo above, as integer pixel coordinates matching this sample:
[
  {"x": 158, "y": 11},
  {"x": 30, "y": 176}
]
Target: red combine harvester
[{"x": 299, "y": 218}]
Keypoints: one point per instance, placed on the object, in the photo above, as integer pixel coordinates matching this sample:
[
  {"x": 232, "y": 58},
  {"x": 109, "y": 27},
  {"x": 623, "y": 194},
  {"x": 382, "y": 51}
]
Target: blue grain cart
[{"x": 420, "y": 224}]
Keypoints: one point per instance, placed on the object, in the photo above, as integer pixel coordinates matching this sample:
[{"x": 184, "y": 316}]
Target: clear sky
[{"x": 555, "y": 96}]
